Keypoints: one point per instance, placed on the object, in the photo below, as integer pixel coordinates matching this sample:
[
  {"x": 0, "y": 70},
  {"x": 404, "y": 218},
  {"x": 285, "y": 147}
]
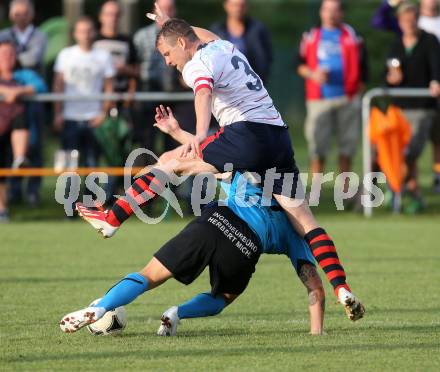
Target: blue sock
[
  {"x": 204, "y": 304},
  {"x": 124, "y": 292}
]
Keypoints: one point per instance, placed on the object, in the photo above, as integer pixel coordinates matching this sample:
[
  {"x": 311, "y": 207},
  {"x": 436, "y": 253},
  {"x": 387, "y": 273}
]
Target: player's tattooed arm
[
  {"x": 309, "y": 276},
  {"x": 311, "y": 280},
  {"x": 313, "y": 298}
]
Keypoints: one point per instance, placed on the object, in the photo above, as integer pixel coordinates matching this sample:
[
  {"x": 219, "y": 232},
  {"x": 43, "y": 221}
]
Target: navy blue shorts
[{"x": 254, "y": 147}]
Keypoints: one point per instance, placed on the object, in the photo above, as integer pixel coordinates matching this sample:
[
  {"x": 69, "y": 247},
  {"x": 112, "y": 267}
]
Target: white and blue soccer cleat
[
  {"x": 169, "y": 322},
  {"x": 353, "y": 307},
  {"x": 98, "y": 220},
  {"x": 73, "y": 322}
]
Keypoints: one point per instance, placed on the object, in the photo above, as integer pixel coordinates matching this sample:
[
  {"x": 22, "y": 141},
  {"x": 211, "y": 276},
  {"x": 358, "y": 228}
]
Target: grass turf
[{"x": 51, "y": 268}]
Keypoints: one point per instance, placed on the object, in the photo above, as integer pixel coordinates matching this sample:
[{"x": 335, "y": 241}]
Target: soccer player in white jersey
[{"x": 252, "y": 137}]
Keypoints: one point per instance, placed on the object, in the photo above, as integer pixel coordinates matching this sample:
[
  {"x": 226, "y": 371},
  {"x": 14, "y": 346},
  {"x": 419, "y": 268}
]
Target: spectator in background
[
  {"x": 384, "y": 17},
  {"x": 14, "y": 84},
  {"x": 429, "y": 21},
  {"x": 82, "y": 70},
  {"x": 120, "y": 47},
  {"x": 123, "y": 53},
  {"x": 30, "y": 44},
  {"x": 332, "y": 60},
  {"x": 156, "y": 76},
  {"x": 429, "y": 18},
  {"x": 414, "y": 62},
  {"x": 250, "y": 36}
]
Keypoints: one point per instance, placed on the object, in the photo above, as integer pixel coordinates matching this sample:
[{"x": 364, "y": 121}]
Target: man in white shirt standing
[{"x": 82, "y": 70}]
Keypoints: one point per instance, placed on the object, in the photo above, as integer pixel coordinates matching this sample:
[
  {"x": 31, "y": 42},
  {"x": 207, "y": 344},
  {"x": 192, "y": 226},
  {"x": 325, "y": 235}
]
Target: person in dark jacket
[
  {"x": 429, "y": 21},
  {"x": 250, "y": 36},
  {"x": 414, "y": 62}
]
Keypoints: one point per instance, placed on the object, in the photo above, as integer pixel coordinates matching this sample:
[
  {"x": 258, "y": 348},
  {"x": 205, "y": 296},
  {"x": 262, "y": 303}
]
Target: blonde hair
[{"x": 407, "y": 6}]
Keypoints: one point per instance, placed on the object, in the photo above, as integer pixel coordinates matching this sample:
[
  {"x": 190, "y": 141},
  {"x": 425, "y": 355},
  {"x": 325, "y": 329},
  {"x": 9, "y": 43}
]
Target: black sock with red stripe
[
  {"x": 324, "y": 251},
  {"x": 142, "y": 192}
]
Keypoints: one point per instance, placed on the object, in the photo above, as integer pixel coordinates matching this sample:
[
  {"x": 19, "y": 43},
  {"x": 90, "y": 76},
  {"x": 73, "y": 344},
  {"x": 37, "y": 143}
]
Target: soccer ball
[{"x": 112, "y": 323}]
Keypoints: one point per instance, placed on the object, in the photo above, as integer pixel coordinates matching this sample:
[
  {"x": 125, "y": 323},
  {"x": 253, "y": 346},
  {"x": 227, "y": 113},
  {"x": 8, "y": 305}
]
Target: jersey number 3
[{"x": 248, "y": 71}]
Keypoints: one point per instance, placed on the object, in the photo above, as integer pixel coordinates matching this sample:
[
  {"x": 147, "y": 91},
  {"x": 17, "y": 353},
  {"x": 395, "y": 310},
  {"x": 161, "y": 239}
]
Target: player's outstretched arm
[
  {"x": 202, "y": 105},
  {"x": 311, "y": 280},
  {"x": 205, "y": 35},
  {"x": 160, "y": 18},
  {"x": 167, "y": 123}
]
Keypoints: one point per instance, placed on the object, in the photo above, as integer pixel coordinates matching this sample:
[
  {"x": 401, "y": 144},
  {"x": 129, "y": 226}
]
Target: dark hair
[
  {"x": 111, "y": 1},
  {"x": 6, "y": 39},
  {"x": 175, "y": 28}
]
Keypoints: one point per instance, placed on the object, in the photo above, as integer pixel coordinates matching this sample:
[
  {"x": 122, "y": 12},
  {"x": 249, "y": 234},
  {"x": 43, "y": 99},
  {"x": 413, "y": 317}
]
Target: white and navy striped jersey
[{"x": 238, "y": 93}]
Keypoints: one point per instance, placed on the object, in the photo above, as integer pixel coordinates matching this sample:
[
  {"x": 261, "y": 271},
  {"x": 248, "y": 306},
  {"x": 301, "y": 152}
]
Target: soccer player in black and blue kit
[{"x": 228, "y": 237}]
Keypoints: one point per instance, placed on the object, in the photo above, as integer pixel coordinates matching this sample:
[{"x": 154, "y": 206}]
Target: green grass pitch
[{"x": 51, "y": 268}]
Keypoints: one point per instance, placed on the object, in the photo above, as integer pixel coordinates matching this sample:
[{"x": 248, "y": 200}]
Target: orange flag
[{"x": 391, "y": 133}]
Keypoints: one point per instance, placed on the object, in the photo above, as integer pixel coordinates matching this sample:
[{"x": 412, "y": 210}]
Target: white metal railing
[
  {"x": 366, "y": 109},
  {"x": 59, "y": 97}
]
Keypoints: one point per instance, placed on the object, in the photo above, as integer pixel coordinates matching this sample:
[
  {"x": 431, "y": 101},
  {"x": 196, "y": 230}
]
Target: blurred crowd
[{"x": 332, "y": 59}]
